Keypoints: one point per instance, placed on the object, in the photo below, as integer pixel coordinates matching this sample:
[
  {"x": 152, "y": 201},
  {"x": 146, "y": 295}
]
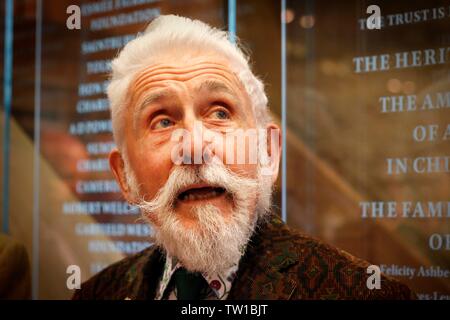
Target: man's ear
[
  {"x": 274, "y": 144},
  {"x": 117, "y": 166}
]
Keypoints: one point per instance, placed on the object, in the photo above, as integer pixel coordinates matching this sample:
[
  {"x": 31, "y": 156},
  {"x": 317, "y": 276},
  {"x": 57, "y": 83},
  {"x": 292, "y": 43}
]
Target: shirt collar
[{"x": 219, "y": 283}]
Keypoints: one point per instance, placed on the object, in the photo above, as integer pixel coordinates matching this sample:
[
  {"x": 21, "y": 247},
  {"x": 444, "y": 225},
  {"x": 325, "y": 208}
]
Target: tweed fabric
[{"x": 279, "y": 263}]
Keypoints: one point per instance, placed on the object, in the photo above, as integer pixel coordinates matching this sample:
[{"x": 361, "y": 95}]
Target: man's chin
[{"x": 206, "y": 241}]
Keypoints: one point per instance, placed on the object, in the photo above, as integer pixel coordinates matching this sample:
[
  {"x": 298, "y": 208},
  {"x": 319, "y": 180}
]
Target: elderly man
[{"x": 179, "y": 93}]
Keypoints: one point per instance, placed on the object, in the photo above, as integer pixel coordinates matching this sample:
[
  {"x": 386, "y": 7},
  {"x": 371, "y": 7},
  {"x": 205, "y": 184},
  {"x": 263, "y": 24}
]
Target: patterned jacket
[{"x": 279, "y": 263}]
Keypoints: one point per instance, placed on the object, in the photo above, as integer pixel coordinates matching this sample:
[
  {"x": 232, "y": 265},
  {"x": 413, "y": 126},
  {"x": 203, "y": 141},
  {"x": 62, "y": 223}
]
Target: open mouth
[{"x": 201, "y": 193}]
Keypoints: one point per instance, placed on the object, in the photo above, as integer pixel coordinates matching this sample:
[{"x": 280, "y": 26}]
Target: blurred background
[{"x": 365, "y": 115}]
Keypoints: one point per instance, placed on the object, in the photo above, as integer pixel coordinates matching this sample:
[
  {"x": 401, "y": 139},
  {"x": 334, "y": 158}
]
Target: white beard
[
  {"x": 213, "y": 247},
  {"x": 217, "y": 242}
]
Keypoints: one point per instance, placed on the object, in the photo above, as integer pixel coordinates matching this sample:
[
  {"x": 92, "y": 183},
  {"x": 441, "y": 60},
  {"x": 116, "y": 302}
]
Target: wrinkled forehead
[
  {"x": 173, "y": 76},
  {"x": 180, "y": 63},
  {"x": 187, "y": 68}
]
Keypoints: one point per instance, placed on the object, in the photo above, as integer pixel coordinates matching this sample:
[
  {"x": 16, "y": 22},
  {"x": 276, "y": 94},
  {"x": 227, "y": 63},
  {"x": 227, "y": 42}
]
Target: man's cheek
[
  {"x": 151, "y": 177},
  {"x": 156, "y": 160},
  {"x": 241, "y": 147},
  {"x": 244, "y": 170},
  {"x": 153, "y": 219}
]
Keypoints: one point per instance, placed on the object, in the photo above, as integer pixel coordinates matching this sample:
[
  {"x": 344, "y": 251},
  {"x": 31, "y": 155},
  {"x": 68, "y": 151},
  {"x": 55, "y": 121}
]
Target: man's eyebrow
[
  {"x": 155, "y": 97},
  {"x": 216, "y": 86},
  {"x": 151, "y": 98}
]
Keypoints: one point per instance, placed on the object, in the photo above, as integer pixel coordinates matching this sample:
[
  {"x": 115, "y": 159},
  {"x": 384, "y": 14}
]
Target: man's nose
[{"x": 197, "y": 148}]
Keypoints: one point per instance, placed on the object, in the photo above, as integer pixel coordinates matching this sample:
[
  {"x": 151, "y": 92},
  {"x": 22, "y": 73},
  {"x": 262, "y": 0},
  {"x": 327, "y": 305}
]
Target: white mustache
[{"x": 214, "y": 173}]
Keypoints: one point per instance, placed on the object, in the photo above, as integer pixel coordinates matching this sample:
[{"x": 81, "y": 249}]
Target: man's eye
[
  {"x": 163, "y": 123},
  {"x": 221, "y": 114}
]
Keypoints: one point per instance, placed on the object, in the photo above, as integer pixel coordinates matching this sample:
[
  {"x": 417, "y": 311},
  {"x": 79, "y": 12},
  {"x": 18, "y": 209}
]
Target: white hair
[{"x": 164, "y": 34}]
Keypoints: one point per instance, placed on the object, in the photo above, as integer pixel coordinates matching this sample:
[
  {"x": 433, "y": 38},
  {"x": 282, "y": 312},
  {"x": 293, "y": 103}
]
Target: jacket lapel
[
  {"x": 143, "y": 276},
  {"x": 264, "y": 270}
]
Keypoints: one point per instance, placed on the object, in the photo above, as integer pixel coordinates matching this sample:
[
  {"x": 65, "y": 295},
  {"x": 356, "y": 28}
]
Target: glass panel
[
  {"x": 367, "y": 114},
  {"x": 367, "y": 130},
  {"x": 2, "y": 114},
  {"x": 258, "y": 28},
  {"x": 82, "y": 218}
]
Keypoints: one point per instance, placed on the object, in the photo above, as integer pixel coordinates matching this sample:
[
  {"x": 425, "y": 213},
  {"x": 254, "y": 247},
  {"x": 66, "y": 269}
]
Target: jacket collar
[
  {"x": 269, "y": 256},
  {"x": 261, "y": 273},
  {"x": 143, "y": 276}
]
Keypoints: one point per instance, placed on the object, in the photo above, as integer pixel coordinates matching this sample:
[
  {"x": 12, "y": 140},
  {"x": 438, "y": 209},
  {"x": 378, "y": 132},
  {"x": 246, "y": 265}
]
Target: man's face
[
  {"x": 168, "y": 96},
  {"x": 203, "y": 213}
]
